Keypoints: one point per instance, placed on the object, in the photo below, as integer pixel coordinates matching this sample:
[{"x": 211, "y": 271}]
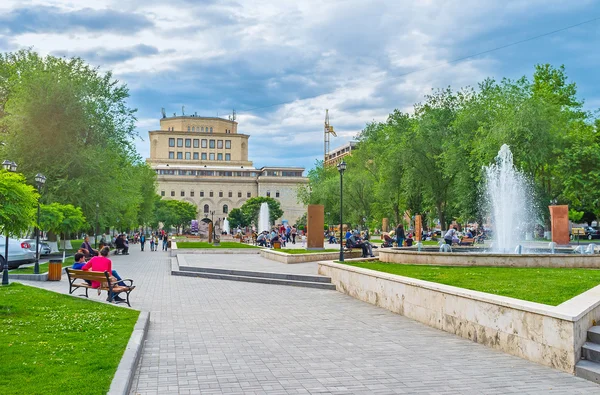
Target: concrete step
[
  {"x": 593, "y": 334},
  {"x": 588, "y": 370},
  {"x": 263, "y": 280},
  {"x": 248, "y": 273},
  {"x": 591, "y": 351}
]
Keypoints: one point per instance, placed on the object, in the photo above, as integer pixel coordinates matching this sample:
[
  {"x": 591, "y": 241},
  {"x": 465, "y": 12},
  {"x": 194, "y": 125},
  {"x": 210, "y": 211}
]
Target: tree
[
  {"x": 237, "y": 218},
  {"x": 51, "y": 217},
  {"x": 251, "y": 208},
  {"x": 18, "y": 202},
  {"x": 73, "y": 220},
  {"x": 174, "y": 213}
]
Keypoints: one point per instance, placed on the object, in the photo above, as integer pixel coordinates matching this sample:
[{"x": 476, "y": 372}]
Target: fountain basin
[{"x": 466, "y": 258}]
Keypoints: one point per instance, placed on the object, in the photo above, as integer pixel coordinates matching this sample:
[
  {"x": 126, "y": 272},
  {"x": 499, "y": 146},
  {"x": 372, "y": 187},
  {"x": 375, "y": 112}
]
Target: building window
[
  {"x": 212, "y": 156},
  {"x": 204, "y": 156},
  {"x": 239, "y": 194},
  {"x": 220, "y": 144},
  {"x": 193, "y": 129},
  {"x": 162, "y": 193},
  {"x": 171, "y": 142},
  {"x": 211, "y": 194},
  {"x": 211, "y": 144},
  {"x": 171, "y": 155},
  {"x": 219, "y": 156},
  {"x": 220, "y": 193},
  {"x": 225, "y": 209},
  {"x": 192, "y": 193},
  {"x": 180, "y": 155},
  {"x": 268, "y": 194},
  {"x": 195, "y": 156},
  {"x": 206, "y": 209},
  {"x": 230, "y": 194},
  {"x": 203, "y": 143},
  {"x": 172, "y": 193},
  {"x": 201, "y": 193},
  {"x": 196, "y": 143},
  {"x": 188, "y": 143},
  {"x": 211, "y": 129},
  {"x": 248, "y": 194},
  {"x": 188, "y": 155},
  {"x": 228, "y": 157},
  {"x": 228, "y": 144},
  {"x": 188, "y": 128},
  {"x": 180, "y": 142},
  {"x": 277, "y": 194},
  {"x": 182, "y": 193}
]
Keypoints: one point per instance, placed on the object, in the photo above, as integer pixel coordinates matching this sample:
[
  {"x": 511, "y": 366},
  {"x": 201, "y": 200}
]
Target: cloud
[
  {"x": 110, "y": 56},
  {"x": 44, "y": 19}
]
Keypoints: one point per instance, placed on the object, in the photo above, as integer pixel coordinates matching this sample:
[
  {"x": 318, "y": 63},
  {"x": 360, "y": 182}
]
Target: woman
[
  {"x": 450, "y": 234},
  {"x": 102, "y": 264},
  {"x": 400, "y": 236}
]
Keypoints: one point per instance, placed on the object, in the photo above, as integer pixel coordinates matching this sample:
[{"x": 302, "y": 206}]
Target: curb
[
  {"x": 121, "y": 383},
  {"x": 31, "y": 277}
]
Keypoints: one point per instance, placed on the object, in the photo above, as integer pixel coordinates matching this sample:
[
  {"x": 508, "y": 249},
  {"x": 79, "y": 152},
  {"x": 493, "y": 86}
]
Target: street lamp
[
  {"x": 9, "y": 166},
  {"x": 341, "y": 168},
  {"x": 96, "y": 232},
  {"x": 40, "y": 180}
]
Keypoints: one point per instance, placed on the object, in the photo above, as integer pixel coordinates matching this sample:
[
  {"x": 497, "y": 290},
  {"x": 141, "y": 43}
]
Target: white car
[
  {"x": 44, "y": 247},
  {"x": 19, "y": 252}
]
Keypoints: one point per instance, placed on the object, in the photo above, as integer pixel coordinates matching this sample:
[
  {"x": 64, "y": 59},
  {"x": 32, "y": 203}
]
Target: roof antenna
[
  {"x": 164, "y": 114},
  {"x": 183, "y": 110}
]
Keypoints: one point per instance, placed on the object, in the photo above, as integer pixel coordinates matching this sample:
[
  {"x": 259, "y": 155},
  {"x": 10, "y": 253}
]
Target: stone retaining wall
[
  {"x": 550, "y": 335},
  {"x": 281, "y": 256}
]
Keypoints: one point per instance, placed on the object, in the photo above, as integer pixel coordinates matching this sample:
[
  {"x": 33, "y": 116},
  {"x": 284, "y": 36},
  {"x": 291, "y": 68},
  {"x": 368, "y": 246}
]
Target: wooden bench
[
  {"x": 467, "y": 241},
  {"x": 107, "y": 283}
]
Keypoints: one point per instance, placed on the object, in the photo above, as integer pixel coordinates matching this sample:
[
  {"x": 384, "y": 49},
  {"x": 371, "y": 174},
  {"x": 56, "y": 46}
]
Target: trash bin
[
  {"x": 276, "y": 246},
  {"x": 55, "y": 270}
]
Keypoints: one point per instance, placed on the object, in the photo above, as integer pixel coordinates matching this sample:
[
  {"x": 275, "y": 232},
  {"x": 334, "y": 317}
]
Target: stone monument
[
  {"x": 315, "y": 222},
  {"x": 418, "y": 227},
  {"x": 560, "y": 224},
  {"x": 385, "y": 225}
]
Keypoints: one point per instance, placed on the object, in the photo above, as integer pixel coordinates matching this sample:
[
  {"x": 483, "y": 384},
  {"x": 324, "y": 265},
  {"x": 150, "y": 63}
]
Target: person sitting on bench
[
  {"x": 121, "y": 245},
  {"x": 355, "y": 241},
  {"x": 101, "y": 263},
  {"x": 86, "y": 245}
]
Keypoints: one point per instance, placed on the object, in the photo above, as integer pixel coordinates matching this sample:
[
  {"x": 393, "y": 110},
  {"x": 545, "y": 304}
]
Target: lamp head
[
  {"x": 40, "y": 179},
  {"x": 6, "y": 165},
  {"x": 13, "y": 166},
  {"x": 341, "y": 167}
]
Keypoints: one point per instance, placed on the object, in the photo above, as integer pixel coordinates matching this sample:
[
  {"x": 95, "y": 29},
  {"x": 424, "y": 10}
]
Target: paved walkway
[
  {"x": 249, "y": 262},
  {"x": 214, "y": 336}
]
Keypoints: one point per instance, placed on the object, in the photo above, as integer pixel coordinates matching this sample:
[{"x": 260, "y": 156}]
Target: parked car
[
  {"x": 592, "y": 232},
  {"x": 19, "y": 252},
  {"x": 44, "y": 247}
]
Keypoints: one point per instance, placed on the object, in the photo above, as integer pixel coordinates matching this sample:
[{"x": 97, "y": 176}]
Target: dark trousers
[
  {"x": 142, "y": 244},
  {"x": 293, "y": 238}
]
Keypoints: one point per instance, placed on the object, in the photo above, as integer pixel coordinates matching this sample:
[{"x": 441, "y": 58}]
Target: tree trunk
[{"x": 442, "y": 217}]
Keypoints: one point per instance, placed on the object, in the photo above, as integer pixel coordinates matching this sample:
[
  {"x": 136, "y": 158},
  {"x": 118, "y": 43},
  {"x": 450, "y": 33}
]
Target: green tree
[
  {"x": 237, "y": 218},
  {"x": 251, "y": 208},
  {"x": 18, "y": 202},
  {"x": 51, "y": 217}
]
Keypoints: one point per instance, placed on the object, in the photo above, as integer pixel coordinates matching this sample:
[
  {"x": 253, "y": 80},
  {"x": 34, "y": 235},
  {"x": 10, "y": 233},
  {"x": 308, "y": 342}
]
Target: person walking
[
  {"x": 142, "y": 241},
  {"x": 152, "y": 243},
  {"x": 400, "y": 235},
  {"x": 165, "y": 241},
  {"x": 294, "y": 231}
]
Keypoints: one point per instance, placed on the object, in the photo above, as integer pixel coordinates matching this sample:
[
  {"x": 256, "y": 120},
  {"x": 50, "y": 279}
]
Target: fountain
[
  {"x": 509, "y": 201},
  {"x": 226, "y": 226},
  {"x": 263, "y": 218}
]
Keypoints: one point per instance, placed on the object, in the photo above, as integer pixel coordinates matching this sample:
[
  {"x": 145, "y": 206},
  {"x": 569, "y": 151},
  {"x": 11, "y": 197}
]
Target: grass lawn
[
  {"x": 542, "y": 285},
  {"x": 204, "y": 244},
  {"x": 76, "y": 243},
  {"x": 52, "y": 343},
  {"x": 43, "y": 267},
  {"x": 295, "y": 251}
]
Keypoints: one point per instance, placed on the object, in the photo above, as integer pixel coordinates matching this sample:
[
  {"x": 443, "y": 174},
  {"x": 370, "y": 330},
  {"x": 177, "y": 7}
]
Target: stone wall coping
[
  {"x": 571, "y": 310},
  {"x": 471, "y": 254}
]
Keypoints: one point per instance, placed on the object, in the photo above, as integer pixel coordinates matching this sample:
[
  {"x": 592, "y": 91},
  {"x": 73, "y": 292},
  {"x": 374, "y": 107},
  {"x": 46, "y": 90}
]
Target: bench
[
  {"x": 107, "y": 283},
  {"x": 467, "y": 241}
]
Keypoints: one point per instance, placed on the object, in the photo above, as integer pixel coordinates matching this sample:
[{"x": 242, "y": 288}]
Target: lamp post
[
  {"x": 9, "y": 166},
  {"x": 341, "y": 168},
  {"x": 40, "y": 180},
  {"x": 96, "y": 231}
]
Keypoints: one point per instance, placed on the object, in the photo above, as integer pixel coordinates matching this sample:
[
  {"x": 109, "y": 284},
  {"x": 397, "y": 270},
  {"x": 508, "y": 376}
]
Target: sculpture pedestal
[
  {"x": 315, "y": 221},
  {"x": 560, "y": 224}
]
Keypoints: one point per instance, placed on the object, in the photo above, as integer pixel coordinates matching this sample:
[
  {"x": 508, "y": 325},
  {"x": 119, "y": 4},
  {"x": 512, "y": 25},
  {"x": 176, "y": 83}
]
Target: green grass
[
  {"x": 204, "y": 244},
  {"x": 52, "y": 343},
  {"x": 302, "y": 251},
  {"x": 551, "y": 286},
  {"x": 43, "y": 267},
  {"x": 76, "y": 243}
]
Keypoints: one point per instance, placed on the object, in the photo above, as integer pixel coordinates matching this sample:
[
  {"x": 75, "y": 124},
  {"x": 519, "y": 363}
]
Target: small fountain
[
  {"x": 226, "y": 226},
  {"x": 590, "y": 249},
  {"x": 263, "y": 218},
  {"x": 445, "y": 248},
  {"x": 552, "y": 245},
  {"x": 579, "y": 250},
  {"x": 519, "y": 249}
]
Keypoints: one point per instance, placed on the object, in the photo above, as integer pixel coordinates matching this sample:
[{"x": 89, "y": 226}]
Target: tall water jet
[
  {"x": 263, "y": 218},
  {"x": 226, "y": 226},
  {"x": 508, "y": 200}
]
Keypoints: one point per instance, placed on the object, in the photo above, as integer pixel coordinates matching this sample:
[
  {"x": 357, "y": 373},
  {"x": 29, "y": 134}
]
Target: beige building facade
[{"x": 204, "y": 161}]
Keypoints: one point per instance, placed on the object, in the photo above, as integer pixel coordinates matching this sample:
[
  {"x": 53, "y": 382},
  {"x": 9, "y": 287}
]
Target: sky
[{"x": 280, "y": 64}]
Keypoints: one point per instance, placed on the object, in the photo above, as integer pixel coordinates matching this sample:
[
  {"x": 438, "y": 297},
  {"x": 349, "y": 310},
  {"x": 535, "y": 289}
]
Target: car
[
  {"x": 19, "y": 252},
  {"x": 592, "y": 232},
  {"x": 44, "y": 247}
]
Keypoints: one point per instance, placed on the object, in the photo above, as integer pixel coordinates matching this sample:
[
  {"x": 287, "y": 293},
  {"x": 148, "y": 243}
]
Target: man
[
  {"x": 450, "y": 234},
  {"x": 262, "y": 239},
  {"x": 86, "y": 245},
  {"x": 355, "y": 241},
  {"x": 121, "y": 244},
  {"x": 142, "y": 241},
  {"x": 165, "y": 242}
]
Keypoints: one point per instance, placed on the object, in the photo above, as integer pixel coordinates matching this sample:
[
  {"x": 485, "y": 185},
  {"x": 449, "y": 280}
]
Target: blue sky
[{"x": 348, "y": 56}]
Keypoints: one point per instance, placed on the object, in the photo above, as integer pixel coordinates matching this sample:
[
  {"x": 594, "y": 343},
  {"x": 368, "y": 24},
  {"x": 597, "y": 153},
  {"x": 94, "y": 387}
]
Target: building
[
  {"x": 335, "y": 156},
  {"x": 204, "y": 161}
]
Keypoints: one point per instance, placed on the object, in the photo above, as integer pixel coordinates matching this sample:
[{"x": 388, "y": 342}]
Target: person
[
  {"x": 142, "y": 241},
  {"x": 356, "y": 241},
  {"x": 294, "y": 231},
  {"x": 101, "y": 263},
  {"x": 400, "y": 235},
  {"x": 165, "y": 242},
  {"x": 450, "y": 234},
  {"x": 120, "y": 244},
  {"x": 366, "y": 235},
  {"x": 87, "y": 246},
  {"x": 409, "y": 240},
  {"x": 152, "y": 243},
  {"x": 275, "y": 239},
  {"x": 155, "y": 243},
  {"x": 469, "y": 234},
  {"x": 262, "y": 239},
  {"x": 79, "y": 261}
]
